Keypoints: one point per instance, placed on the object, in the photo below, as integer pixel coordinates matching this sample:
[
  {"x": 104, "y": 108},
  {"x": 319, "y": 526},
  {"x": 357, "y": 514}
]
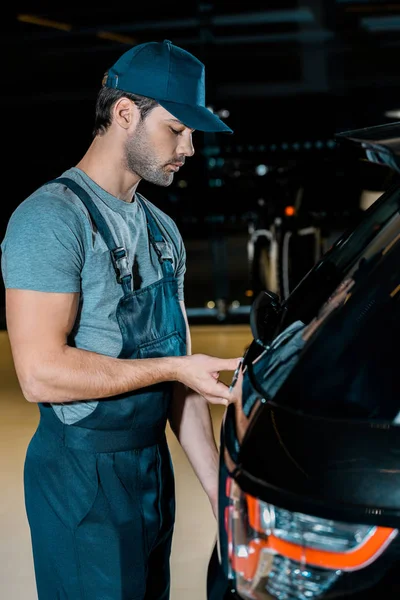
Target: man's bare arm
[
  {"x": 191, "y": 422},
  {"x": 48, "y": 370}
]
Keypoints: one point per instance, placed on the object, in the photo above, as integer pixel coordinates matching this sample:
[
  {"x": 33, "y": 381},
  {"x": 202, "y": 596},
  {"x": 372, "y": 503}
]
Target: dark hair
[{"x": 106, "y": 99}]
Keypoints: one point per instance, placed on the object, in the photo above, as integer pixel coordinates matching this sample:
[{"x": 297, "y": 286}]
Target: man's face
[{"x": 158, "y": 147}]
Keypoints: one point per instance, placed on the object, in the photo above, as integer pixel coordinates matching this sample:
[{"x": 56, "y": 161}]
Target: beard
[{"x": 141, "y": 159}]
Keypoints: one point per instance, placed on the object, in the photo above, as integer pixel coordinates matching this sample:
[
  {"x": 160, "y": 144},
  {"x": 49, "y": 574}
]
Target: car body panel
[{"x": 314, "y": 477}]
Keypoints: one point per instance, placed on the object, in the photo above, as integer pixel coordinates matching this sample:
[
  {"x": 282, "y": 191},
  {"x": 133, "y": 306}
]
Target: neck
[{"x": 103, "y": 162}]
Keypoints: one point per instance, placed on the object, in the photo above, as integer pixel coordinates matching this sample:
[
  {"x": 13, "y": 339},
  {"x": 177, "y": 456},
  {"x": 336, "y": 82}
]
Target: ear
[{"x": 126, "y": 113}]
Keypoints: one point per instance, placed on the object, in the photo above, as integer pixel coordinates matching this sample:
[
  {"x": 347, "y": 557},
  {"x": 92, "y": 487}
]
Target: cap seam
[
  {"x": 169, "y": 67},
  {"x": 138, "y": 52},
  {"x": 133, "y": 58}
]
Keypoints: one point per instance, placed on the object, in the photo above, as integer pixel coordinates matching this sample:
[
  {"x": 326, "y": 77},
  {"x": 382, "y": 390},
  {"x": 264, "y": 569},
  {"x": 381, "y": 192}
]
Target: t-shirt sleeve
[
  {"x": 43, "y": 247},
  {"x": 181, "y": 269}
]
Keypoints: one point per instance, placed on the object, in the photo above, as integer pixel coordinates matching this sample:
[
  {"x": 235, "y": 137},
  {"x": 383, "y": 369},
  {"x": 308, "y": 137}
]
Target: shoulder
[
  {"x": 52, "y": 203},
  {"x": 49, "y": 217}
]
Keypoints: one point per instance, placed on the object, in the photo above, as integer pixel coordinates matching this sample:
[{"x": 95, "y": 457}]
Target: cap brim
[{"x": 195, "y": 117}]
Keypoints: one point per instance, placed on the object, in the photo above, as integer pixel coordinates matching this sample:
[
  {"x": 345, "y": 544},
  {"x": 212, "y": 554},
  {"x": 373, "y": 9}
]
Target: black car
[{"x": 309, "y": 494}]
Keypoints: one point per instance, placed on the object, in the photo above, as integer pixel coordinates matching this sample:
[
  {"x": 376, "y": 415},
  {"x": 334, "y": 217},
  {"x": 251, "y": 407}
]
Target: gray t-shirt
[{"x": 51, "y": 245}]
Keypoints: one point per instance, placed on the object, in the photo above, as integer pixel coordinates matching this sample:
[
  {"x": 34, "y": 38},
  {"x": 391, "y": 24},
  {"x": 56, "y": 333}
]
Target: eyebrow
[{"x": 180, "y": 123}]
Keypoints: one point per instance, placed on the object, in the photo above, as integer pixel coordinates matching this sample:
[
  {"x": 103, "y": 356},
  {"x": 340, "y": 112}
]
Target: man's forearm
[
  {"x": 191, "y": 422},
  {"x": 75, "y": 374}
]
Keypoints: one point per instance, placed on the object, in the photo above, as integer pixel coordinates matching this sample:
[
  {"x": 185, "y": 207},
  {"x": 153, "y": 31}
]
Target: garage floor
[{"x": 195, "y": 530}]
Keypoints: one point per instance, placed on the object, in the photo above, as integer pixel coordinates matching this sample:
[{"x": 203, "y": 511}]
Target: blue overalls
[{"x": 99, "y": 494}]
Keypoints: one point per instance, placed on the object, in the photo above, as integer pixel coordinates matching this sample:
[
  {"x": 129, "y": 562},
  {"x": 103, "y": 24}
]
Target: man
[{"x": 98, "y": 330}]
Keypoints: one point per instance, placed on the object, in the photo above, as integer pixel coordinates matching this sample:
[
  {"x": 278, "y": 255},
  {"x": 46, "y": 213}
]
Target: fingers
[
  {"x": 226, "y": 364},
  {"x": 203, "y": 378},
  {"x": 221, "y": 401},
  {"x": 222, "y": 391},
  {"x": 211, "y": 399}
]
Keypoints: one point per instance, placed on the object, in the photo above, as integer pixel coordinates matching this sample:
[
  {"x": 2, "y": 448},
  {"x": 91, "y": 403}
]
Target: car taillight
[{"x": 291, "y": 555}]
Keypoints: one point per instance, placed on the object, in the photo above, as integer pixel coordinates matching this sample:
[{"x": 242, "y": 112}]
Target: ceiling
[
  {"x": 284, "y": 51},
  {"x": 287, "y": 71}
]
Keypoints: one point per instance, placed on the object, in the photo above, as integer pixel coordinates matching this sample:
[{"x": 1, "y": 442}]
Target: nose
[{"x": 186, "y": 147}]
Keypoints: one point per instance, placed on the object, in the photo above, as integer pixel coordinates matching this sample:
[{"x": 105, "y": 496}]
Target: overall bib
[{"x": 99, "y": 494}]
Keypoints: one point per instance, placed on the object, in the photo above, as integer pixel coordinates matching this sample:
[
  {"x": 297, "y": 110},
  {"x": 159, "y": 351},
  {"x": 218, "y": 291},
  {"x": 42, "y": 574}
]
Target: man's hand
[{"x": 200, "y": 373}]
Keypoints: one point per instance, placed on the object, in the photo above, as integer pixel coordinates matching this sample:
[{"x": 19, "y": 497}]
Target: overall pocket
[
  {"x": 65, "y": 480},
  {"x": 153, "y": 402},
  {"x": 168, "y": 345}
]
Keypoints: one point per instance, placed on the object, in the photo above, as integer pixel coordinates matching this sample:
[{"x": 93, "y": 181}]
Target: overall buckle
[
  {"x": 163, "y": 250},
  {"x": 120, "y": 263}
]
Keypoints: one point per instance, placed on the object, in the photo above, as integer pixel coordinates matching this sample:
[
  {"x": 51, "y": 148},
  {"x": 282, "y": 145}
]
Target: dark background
[{"x": 290, "y": 73}]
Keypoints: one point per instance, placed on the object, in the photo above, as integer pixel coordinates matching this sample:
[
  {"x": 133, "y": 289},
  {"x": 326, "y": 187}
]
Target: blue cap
[{"x": 171, "y": 76}]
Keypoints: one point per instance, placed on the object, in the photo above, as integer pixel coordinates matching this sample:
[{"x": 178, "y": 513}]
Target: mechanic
[{"x": 94, "y": 277}]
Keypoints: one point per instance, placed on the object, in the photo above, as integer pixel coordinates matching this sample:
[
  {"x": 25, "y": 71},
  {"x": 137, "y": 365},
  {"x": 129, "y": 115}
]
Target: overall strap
[
  {"x": 160, "y": 246},
  {"x": 118, "y": 253}
]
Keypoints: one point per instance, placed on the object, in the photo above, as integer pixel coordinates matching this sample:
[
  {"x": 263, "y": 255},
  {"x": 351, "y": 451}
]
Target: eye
[{"x": 175, "y": 131}]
